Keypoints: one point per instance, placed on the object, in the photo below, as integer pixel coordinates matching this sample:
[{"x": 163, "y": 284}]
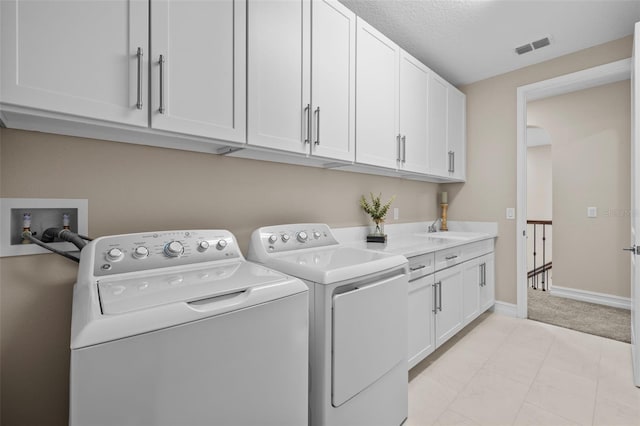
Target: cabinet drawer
[
  {"x": 421, "y": 265},
  {"x": 479, "y": 248},
  {"x": 449, "y": 257}
]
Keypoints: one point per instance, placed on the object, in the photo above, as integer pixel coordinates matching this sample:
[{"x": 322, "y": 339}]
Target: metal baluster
[
  {"x": 535, "y": 276},
  {"x": 544, "y": 262}
]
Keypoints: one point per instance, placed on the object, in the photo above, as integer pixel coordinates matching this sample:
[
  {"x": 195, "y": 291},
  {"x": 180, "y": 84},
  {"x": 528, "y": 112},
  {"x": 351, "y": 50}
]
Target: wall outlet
[
  {"x": 511, "y": 213},
  {"x": 396, "y": 213},
  {"x": 592, "y": 212},
  {"x": 45, "y": 213}
]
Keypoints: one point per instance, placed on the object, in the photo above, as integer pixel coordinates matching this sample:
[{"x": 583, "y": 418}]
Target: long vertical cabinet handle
[
  {"x": 484, "y": 274},
  {"x": 399, "y": 156},
  {"x": 404, "y": 148},
  {"x": 307, "y": 111},
  {"x": 440, "y": 296},
  {"x": 450, "y": 161},
  {"x": 161, "y": 62},
  {"x": 435, "y": 298},
  {"x": 317, "y": 114},
  {"x": 481, "y": 274},
  {"x": 139, "y": 100},
  {"x": 453, "y": 161}
]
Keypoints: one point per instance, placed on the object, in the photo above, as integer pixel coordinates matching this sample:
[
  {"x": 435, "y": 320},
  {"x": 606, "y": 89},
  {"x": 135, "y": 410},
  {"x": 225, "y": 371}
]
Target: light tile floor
[{"x": 506, "y": 371}]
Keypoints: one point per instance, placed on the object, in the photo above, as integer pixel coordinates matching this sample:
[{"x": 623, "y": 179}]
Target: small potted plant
[{"x": 377, "y": 211}]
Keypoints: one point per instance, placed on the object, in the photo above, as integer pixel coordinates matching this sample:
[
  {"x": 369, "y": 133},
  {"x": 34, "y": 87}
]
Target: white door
[
  {"x": 333, "y": 87},
  {"x": 376, "y": 97},
  {"x": 456, "y": 132},
  {"x": 414, "y": 111},
  {"x": 420, "y": 329},
  {"x": 77, "y": 57},
  {"x": 635, "y": 203},
  {"x": 198, "y": 68},
  {"x": 448, "y": 303},
  {"x": 471, "y": 281},
  {"x": 438, "y": 151},
  {"x": 278, "y": 79}
]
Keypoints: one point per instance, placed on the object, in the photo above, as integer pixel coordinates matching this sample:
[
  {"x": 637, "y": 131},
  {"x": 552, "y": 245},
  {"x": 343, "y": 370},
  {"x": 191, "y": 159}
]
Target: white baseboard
[
  {"x": 504, "y": 308},
  {"x": 591, "y": 296}
]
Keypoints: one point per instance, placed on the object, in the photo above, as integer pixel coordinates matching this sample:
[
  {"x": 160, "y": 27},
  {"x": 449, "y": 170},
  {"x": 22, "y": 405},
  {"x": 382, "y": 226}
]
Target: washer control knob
[
  {"x": 221, "y": 244},
  {"x": 285, "y": 237},
  {"x": 203, "y": 246},
  {"x": 302, "y": 236},
  {"x": 115, "y": 254},
  {"x": 316, "y": 234},
  {"x": 141, "y": 252},
  {"x": 273, "y": 238},
  {"x": 174, "y": 249}
]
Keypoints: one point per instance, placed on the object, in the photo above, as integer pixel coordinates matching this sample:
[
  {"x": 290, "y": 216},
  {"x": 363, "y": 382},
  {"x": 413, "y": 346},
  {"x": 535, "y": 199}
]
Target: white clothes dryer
[
  {"x": 177, "y": 328},
  {"x": 358, "y": 323}
]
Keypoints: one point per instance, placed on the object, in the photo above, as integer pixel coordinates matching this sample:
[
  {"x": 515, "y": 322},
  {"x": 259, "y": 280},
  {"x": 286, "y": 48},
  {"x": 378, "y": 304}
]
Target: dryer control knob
[
  {"x": 316, "y": 234},
  {"x": 285, "y": 237},
  {"x": 141, "y": 252},
  {"x": 302, "y": 236},
  {"x": 203, "y": 246},
  {"x": 174, "y": 249},
  {"x": 273, "y": 238},
  {"x": 221, "y": 244},
  {"x": 114, "y": 254}
]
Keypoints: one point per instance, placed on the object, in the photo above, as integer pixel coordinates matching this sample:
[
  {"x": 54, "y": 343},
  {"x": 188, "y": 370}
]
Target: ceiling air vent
[
  {"x": 525, "y": 48},
  {"x": 529, "y": 47}
]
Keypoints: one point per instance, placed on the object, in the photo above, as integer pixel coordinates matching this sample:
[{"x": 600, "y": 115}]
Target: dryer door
[{"x": 369, "y": 335}]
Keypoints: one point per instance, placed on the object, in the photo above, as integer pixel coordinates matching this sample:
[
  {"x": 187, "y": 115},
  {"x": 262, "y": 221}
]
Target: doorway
[{"x": 609, "y": 73}]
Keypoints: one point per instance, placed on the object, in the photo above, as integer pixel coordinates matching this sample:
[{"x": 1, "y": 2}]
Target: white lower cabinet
[
  {"x": 421, "y": 331},
  {"x": 443, "y": 302}
]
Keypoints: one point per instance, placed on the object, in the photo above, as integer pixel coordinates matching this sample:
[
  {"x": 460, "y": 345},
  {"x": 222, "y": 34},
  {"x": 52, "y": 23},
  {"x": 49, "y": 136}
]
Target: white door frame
[{"x": 586, "y": 79}]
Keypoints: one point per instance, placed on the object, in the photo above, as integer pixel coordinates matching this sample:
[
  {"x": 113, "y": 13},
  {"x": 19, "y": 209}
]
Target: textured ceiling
[{"x": 466, "y": 41}]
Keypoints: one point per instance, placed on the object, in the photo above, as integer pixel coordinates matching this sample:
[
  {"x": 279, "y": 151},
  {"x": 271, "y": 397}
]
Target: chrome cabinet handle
[
  {"x": 161, "y": 62},
  {"x": 404, "y": 148},
  {"x": 450, "y": 161},
  {"x": 435, "y": 298},
  {"x": 451, "y": 257},
  {"x": 440, "y": 296},
  {"x": 484, "y": 274},
  {"x": 399, "y": 156},
  {"x": 307, "y": 111},
  {"x": 139, "y": 101},
  {"x": 317, "y": 142},
  {"x": 453, "y": 162},
  {"x": 417, "y": 268}
]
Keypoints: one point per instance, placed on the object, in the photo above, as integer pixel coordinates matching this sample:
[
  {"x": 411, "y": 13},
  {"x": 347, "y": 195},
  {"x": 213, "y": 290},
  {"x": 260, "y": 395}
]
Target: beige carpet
[{"x": 605, "y": 321}]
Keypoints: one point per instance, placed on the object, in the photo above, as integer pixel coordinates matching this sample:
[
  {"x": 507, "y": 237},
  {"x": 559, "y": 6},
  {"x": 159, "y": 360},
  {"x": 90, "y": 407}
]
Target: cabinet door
[
  {"x": 488, "y": 290},
  {"x": 456, "y": 133},
  {"x": 449, "y": 303},
  {"x": 77, "y": 57},
  {"x": 471, "y": 278},
  {"x": 198, "y": 67},
  {"x": 438, "y": 151},
  {"x": 377, "y": 98},
  {"x": 279, "y": 104},
  {"x": 421, "y": 332},
  {"x": 333, "y": 87},
  {"x": 414, "y": 109}
]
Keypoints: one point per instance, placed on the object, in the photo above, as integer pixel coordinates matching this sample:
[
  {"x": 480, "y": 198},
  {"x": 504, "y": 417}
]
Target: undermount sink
[{"x": 449, "y": 235}]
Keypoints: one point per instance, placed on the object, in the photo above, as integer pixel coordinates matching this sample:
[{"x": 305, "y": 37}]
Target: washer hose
[
  {"x": 50, "y": 234},
  {"x": 34, "y": 240}
]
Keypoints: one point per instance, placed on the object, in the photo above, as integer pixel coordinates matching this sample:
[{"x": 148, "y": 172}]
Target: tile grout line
[{"x": 595, "y": 395}]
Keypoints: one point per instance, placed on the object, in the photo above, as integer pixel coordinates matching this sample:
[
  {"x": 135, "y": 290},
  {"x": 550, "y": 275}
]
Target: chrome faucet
[{"x": 432, "y": 227}]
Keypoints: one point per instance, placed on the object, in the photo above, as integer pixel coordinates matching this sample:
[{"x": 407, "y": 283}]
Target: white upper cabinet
[
  {"x": 333, "y": 83},
  {"x": 456, "y": 133},
  {"x": 438, "y": 150},
  {"x": 81, "y": 58},
  {"x": 198, "y": 63},
  {"x": 376, "y": 98},
  {"x": 414, "y": 115},
  {"x": 287, "y": 110}
]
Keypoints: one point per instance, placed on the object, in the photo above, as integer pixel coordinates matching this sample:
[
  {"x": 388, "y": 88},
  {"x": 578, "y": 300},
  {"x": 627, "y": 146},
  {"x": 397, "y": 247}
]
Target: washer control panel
[
  {"x": 151, "y": 250},
  {"x": 281, "y": 238}
]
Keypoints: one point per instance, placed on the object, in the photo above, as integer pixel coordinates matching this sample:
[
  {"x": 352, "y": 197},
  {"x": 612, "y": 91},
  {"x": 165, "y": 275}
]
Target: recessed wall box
[{"x": 45, "y": 213}]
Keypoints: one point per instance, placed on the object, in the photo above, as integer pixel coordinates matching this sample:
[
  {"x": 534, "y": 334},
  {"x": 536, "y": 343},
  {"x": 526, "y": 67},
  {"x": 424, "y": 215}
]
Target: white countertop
[{"x": 412, "y": 239}]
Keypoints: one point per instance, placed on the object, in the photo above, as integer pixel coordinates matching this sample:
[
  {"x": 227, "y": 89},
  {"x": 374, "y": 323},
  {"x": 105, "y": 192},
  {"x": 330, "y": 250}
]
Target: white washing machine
[
  {"x": 358, "y": 323},
  {"x": 177, "y": 328}
]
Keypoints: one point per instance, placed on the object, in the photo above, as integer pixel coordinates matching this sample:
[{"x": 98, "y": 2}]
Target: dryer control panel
[
  {"x": 152, "y": 250},
  {"x": 282, "y": 238}
]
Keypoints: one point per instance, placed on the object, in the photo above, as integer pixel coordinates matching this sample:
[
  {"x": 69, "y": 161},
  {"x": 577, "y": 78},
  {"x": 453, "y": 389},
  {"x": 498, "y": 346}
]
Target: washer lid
[
  {"x": 118, "y": 296},
  {"x": 334, "y": 264}
]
